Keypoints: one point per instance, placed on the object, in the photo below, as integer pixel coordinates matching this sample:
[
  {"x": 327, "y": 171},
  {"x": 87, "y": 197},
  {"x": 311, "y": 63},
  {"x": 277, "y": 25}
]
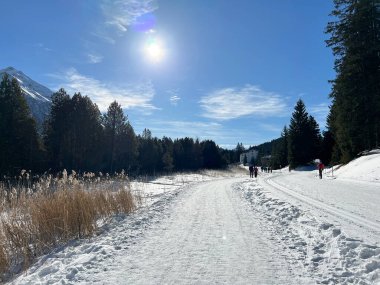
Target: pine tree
[
  {"x": 315, "y": 139},
  {"x": 20, "y": 146},
  {"x": 167, "y": 157},
  {"x": 212, "y": 158},
  {"x": 128, "y": 148},
  {"x": 284, "y": 147},
  {"x": 56, "y": 129},
  {"x": 355, "y": 111},
  {"x": 73, "y": 133},
  {"x": 304, "y": 139},
  {"x": 297, "y": 146},
  {"x": 238, "y": 151},
  {"x": 150, "y": 153}
]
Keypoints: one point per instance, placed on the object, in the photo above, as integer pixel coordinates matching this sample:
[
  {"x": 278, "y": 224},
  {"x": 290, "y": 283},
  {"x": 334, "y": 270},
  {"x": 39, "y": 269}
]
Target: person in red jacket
[{"x": 321, "y": 166}]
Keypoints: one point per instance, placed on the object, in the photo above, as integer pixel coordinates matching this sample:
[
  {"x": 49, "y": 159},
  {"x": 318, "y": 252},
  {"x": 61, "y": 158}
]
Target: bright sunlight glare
[{"x": 154, "y": 50}]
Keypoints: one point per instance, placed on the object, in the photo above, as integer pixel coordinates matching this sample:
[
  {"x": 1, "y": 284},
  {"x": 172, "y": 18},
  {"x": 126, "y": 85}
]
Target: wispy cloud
[
  {"x": 174, "y": 100},
  {"x": 197, "y": 129},
  {"x": 320, "y": 113},
  {"x": 120, "y": 14},
  {"x": 41, "y": 46},
  {"x": 231, "y": 103},
  {"x": 94, "y": 58},
  {"x": 320, "y": 109},
  {"x": 271, "y": 128},
  {"x": 136, "y": 96},
  {"x": 180, "y": 129}
]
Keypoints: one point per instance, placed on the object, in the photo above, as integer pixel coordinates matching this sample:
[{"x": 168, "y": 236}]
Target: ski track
[{"x": 362, "y": 222}]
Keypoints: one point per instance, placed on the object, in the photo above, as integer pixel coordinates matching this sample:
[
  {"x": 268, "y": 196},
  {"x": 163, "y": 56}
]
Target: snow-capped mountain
[{"x": 37, "y": 96}]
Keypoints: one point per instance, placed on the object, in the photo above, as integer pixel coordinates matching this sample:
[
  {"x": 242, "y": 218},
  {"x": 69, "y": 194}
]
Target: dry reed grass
[{"x": 55, "y": 210}]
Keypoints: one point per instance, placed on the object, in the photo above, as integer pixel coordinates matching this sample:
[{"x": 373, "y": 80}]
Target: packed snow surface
[{"x": 227, "y": 228}]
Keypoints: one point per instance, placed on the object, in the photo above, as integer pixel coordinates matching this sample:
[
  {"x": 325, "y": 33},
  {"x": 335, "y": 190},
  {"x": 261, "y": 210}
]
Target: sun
[{"x": 154, "y": 50}]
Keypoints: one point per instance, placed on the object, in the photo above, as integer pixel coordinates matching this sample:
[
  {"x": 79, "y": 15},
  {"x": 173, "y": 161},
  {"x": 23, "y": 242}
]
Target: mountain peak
[{"x": 37, "y": 96}]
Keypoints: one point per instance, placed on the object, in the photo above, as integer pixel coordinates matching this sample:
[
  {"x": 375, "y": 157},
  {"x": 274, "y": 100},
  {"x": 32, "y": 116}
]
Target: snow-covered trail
[
  {"x": 353, "y": 205},
  {"x": 278, "y": 229},
  {"x": 210, "y": 237}
]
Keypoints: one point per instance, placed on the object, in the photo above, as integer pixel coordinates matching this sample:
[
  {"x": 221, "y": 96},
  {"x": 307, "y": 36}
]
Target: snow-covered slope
[
  {"x": 364, "y": 168},
  {"x": 37, "y": 95}
]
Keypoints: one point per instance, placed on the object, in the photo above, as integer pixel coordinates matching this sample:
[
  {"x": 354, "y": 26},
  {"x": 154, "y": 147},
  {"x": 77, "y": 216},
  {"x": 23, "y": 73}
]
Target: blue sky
[{"x": 230, "y": 71}]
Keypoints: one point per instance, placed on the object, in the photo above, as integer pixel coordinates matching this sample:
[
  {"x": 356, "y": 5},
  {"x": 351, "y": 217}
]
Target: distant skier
[
  {"x": 321, "y": 166},
  {"x": 251, "y": 171},
  {"x": 255, "y": 170}
]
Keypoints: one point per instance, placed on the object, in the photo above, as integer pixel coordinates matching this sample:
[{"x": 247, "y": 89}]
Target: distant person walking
[
  {"x": 251, "y": 171},
  {"x": 255, "y": 170},
  {"x": 321, "y": 166}
]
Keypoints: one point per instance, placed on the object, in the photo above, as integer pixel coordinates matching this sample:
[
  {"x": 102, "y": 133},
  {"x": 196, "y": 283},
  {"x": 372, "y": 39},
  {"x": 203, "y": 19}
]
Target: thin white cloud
[
  {"x": 181, "y": 129},
  {"x": 271, "y": 128},
  {"x": 41, "y": 46},
  {"x": 231, "y": 103},
  {"x": 201, "y": 130},
  {"x": 120, "y": 14},
  {"x": 320, "y": 113},
  {"x": 94, "y": 58},
  {"x": 137, "y": 96},
  {"x": 174, "y": 100},
  {"x": 320, "y": 109}
]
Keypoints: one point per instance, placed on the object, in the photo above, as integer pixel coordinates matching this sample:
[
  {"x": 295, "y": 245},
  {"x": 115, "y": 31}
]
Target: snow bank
[
  {"x": 326, "y": 252},
  {"x": 364, "y": 168}
]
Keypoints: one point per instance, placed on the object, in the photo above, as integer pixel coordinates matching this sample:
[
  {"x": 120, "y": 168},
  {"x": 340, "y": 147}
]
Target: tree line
[
  {"x": 354, "y": 118},
  {"x": 301, "y": 142},
  {"x": 76, "y": 136},
  {"x": 353, "y": 122}
]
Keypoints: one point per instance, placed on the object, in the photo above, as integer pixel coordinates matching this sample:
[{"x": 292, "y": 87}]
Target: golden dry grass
[{"x": 32, "y": 223}]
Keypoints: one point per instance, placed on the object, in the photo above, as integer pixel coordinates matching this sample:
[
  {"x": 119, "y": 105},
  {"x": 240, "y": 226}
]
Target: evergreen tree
[
  {"x": 150, "y": 153},
  {"x": 73, "y": 133},
  {"x": 315, "y": 138},
  {"x": 20, "y": 147},
  {"x": 283, "y": 161},
  {"x": 303, "y": 137},
  {"x": 120, "y": 139},
  {"x": 297, "y": 149},
  {"x": 212, "y": 158},
  {"x": 56, "y": 129},
  {"x": 129, "y": 148},
  {"x": 355, "y": 111},
  {"x": 238, "y": 151},
  {"x": 113, "y": 122},
  {"x": 167, "y": 158}
]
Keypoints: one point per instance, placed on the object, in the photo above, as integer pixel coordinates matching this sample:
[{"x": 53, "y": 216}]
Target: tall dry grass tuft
[
  {"x": 3, "y": 258},
  {"x": 59, "y": 210}
]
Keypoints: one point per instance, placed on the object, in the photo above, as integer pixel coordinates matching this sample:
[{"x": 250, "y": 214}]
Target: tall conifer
[{"x": 355, "y": 41}]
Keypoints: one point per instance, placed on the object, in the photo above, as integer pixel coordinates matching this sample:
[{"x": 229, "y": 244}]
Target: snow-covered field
[{"x": 225, "y": 228}]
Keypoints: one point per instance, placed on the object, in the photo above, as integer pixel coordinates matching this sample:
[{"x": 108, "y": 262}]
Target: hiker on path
[
  {"x": 321, "y": 166},
  {"x": 251, "y": 171},
  {"x": 255, "y": 170}
]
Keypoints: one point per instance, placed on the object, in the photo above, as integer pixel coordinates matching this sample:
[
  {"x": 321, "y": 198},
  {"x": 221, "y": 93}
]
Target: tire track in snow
[{"x": 341, "y": 213}]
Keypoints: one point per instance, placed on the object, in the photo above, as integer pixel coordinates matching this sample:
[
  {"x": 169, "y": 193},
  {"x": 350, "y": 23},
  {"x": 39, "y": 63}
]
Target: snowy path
[
  {"x": 230, "y": 231},
  {"x": 353, "y": 205},
  {"x": 210, "y": 237}
]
